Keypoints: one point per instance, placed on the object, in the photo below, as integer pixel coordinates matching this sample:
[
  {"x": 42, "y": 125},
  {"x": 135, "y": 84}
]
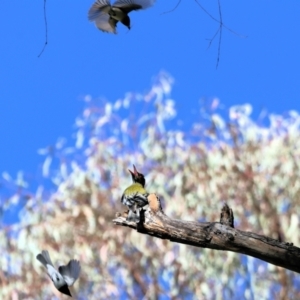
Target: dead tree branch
[{"x": 214, "y": 235}]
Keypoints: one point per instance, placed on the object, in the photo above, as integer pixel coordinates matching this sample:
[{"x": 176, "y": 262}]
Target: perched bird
[
  {"x": 135, "y": 196},
  {"x": 65, "y": 276},
  {"x": 106, "y": 16}
]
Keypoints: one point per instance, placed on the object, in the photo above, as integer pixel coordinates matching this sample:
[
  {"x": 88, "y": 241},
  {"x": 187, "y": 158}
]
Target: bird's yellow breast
[{"x": 135, "y": 188}]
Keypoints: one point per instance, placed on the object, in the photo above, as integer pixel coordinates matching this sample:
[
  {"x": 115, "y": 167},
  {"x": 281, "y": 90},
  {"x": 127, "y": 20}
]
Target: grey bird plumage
[
  {"x": 106, "y": 16},
  {"x": 65, "y": 276}
]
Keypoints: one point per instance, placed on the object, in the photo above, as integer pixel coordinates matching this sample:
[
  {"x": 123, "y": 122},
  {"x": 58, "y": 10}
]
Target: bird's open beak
[{"x": 135, "y": 172}]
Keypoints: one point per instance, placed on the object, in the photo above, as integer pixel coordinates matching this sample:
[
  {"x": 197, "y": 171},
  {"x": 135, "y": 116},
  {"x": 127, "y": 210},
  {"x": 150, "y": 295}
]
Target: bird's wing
[
  {"x": 136, "y": 199},
  {"x": 141, "y": 200},
  {"x": 98, "y": 8},
  {"x": 99, "y": 13},
  {"x": 113, "y": 23},
  {"x": 129, "y": 5},
  {"x": 123, "y": 199},
  {"x": 44, "y": 258},
  {"x": 106, "y": 23},
  {"x": 70, "y": 272}
]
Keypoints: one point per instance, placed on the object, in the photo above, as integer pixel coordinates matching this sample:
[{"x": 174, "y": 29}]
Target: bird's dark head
[
  {"x": 137, "y": 177},
  {"x": 126, "y": 21},
  {"x": 65, "y": 290}
]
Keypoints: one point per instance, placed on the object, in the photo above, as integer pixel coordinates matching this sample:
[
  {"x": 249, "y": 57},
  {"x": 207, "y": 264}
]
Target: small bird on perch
[
  {"x": 135, "y": 196},
  {"x": 106, "y": 16},
  {"x": 65, "y": 276}
]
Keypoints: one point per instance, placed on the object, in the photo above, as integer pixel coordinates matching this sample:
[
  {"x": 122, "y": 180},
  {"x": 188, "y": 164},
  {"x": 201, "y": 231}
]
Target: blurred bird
[
  {"x": 106, "y": 16},
  {"x": 135, "y": 196},
  {"x": 65, "y": 276}
]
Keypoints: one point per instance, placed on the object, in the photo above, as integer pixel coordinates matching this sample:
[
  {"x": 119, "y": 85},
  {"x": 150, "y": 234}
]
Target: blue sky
[{"x": 41, "y": 97}]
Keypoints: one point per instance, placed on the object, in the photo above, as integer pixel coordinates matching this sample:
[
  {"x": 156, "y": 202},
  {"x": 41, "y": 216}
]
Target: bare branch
[
  {"x": 219, "y": 30},
  {"x": 220, "y": 36},
  {"x": 218, "y": 21},
  {"x": 213, "y": 235},
  {"x": 169, "y": 11},
  {"x": 46, "y": 30}
]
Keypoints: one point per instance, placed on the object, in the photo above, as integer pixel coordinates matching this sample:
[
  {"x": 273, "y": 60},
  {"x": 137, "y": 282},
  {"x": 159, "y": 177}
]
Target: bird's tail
[{"x": 44, "y": 258}]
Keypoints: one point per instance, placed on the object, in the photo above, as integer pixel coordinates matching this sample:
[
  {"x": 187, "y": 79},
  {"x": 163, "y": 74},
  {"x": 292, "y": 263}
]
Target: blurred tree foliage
[{"x": 253, "y": 167}]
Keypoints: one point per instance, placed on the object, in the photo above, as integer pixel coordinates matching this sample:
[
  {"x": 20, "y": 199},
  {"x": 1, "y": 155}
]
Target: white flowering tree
[{"x": 230, "y": 158}]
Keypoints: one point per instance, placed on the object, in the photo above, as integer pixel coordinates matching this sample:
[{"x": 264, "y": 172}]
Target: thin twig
[
  {"x": 212, "y": 17},
  {"x": 220, "y": 29},
  {"x": 169, "y": 11},
  {"x": 211, "y": 40},
  {"x": 220, "y": 35},
  {"x": 46, "y": 30}
]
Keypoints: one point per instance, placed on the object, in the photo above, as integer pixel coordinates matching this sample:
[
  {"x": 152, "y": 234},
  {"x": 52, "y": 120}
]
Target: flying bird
[
  {"x": 106, "y": 16},
  {"x": 65, "y": 276},
  {"x": 135, "y": 196}
]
